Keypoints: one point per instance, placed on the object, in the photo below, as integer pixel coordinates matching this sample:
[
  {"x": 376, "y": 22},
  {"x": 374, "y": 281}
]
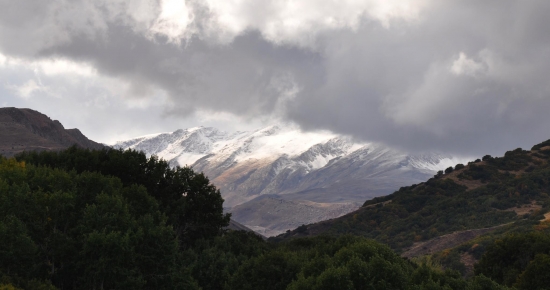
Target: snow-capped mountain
[{"x": 317, "y": 168}]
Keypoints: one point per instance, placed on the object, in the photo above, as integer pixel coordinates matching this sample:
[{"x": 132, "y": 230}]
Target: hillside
[
  {"x": 29, "y": 130},
  {"x": 272, "y": 215},
  {"x": 512, "y": 190}
]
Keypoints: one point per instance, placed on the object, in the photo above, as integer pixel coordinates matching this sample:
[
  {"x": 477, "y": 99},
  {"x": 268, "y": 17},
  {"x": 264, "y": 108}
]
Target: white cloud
[
  {"x": 64, "y": 66},
  {"x": 280, "y": 21},
  {"x": 49, "y": 66},
  {"x": 27, "y": 89},
  {"x": 174, "y": 20},
  {"x": 467, "y": 66}
]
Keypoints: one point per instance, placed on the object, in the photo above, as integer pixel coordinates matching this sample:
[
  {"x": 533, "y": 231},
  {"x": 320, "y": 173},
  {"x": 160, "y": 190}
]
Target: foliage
[
  {"x": 518, "y": 258},
  {"x": 537, "y": 274},
  {"x": 84, "y": 229},
  {"x": 512, "y": 160},
  {"x": 212, "y": 263},
  {"x": 346, "y": 262},
  {"x": 486, "y": 158},
  {"x": 541, "y": 145},
  {"x": 194, "y": 207}
]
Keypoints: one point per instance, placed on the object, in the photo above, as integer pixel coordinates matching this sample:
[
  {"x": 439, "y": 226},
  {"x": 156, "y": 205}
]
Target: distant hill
[
  {"x": 465, "y": 209},
  {"x": 29, "y": 130},
  {"x": 308, "y": 176},
  {"x": 272, "y": 215}
]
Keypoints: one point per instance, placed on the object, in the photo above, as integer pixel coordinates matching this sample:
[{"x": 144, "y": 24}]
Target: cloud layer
[{"x": 464, "y": 77}]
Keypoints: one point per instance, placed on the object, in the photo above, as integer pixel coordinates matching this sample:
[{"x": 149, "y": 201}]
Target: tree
[
  {"x": 506, "y": 259},
  {"x": 193, "y": 206},
  {"x": 18, "y": 252},
  {"x": 84, "y": 231},
  {"x": 537, "y": 274}
]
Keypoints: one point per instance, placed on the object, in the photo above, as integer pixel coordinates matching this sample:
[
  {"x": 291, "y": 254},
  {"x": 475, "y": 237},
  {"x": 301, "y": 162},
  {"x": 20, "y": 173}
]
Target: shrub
[{"x": 486, "y": 157}]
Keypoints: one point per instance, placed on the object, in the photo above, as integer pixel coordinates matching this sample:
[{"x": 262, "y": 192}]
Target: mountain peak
[
  {"x": 27, "y": 130},
  {"x": 284, "y": 161}
]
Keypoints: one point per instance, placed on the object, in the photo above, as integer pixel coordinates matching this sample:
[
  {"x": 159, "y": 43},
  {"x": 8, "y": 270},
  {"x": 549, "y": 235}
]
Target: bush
[
  {"x": 543, "y": 144},
  {"x": 506, "y": 259},
  {"x": 537, "y": 274},
  {"x": 486, "y": 157}
]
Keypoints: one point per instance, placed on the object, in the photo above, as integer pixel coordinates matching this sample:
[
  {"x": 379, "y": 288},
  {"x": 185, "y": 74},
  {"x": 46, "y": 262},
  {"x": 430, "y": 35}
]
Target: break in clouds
[{"x": 464, "y": 77}]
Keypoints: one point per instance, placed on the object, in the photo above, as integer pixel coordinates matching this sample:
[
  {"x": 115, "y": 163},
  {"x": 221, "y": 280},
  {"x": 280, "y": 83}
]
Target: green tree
[
  {"x": 507, "y": 258},
  {"x": 537, "y": 274},
  {"x": 18, "y": 253},
  {"x": 193, "y": 206}
]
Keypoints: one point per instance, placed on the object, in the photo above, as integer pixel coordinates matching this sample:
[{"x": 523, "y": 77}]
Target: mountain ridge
[
  {"x": 283, "y": 161},
  {"x": 27, "y": 130}
]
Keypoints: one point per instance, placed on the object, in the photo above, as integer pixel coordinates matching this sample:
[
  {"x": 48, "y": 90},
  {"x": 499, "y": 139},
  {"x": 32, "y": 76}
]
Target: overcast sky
[{"x": 462, "y": 77}]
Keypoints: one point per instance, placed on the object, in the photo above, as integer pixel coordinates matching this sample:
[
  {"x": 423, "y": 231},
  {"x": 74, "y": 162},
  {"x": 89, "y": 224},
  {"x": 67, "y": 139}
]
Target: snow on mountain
[
  {"x": 284, "y": 162},
  {"x": 181, "y": 147},
  {"x": 279, "y": 159}
]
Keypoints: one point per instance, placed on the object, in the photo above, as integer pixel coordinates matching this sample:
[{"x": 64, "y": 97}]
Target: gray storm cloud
[{"x": 456, "y": 76}]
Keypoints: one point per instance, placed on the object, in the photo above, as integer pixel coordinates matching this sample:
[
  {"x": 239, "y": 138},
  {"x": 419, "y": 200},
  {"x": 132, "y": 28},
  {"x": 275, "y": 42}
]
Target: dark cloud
[
  {"x": 466, "y": 77},
  {"x": 397, "y": 85},
  {"x": 246, "y": 77}
]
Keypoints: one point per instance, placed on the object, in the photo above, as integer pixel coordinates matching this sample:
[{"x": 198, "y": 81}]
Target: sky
[{"x": 462, "y": 77}]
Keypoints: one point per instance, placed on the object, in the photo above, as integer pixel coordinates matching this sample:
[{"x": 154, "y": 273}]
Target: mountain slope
[
  {"x": 271, "y": 215},
  {"x": 26, "y": 129},
  {"x": 281, "y": 160},
  {"x": 498, "y": 195},
  {"x": 290, "y": 165}
]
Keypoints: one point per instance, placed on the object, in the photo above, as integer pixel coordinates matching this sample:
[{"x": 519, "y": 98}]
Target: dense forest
[{"x": 113, "y": 219}]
